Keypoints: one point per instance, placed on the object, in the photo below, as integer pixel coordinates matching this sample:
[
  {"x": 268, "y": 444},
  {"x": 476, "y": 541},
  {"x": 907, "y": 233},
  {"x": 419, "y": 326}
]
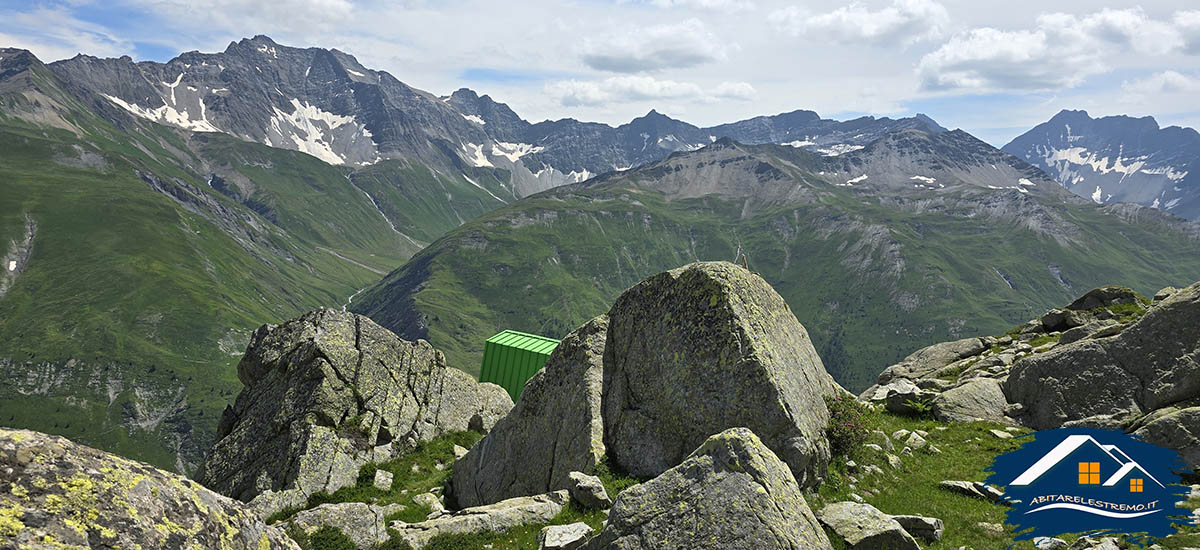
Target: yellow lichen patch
[
  {"x": 263, "y": 542},
  {"x": 10, "y": 521},
  {"x": 19, "y": 491}
]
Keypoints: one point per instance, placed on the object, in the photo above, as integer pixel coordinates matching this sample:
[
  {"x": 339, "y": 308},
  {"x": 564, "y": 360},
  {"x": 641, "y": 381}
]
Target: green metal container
[{"x": 511, "y": 358}]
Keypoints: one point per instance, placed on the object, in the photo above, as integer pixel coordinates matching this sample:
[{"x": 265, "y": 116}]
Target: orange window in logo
[
  {"x": 1089, "y": 473},
  {"x": 1135, "y": 485}
]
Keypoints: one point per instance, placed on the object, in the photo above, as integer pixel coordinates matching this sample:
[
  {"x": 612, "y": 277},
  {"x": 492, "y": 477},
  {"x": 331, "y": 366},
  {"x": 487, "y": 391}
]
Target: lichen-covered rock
[
  {"x": 976, "y": 399},
  {"x": 1105, "y": 296},
  {"x": 554, "y": 429},
  {"x": 702, "y": 348},
  {"x": 493, "y": 517},
  {"x": 328, "y": 392},
  {"x": 57, "y": 494},
  {"x": 1175, "y": 429},
  {"x": 1152, "y": 363},
  {"x": 866, "y": 528},
  {"x": 363, "y": 523},
  {"x": 732, "y": 492}
]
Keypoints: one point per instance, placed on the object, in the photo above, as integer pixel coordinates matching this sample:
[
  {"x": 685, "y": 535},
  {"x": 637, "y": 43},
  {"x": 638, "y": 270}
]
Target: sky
[{"x": 994, "y": 69}]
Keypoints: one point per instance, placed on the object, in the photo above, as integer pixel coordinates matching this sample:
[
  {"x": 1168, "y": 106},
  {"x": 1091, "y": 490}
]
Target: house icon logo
[{"x": 1075, "y": 480}]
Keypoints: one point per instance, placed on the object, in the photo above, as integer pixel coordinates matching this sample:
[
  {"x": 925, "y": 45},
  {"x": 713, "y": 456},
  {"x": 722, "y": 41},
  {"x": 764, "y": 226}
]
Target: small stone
[
  {"x": 1001, "y": 434},
  {"x": 588, "y": 491},
  {"x": 416, "y": 468},
  {"x": 564, "y": 537},
  {"x": 1049, "y": 543},
  {"x": 991, "y": 528},
  {"x": 439, "y": 466},
  {"x": 383, "y": 480},
  {"x": 941, "y": 428},
  {"x": 915, "y": 441},
  {"x": 429, "y": 500},
  {"x": 925, "y": 528},
  {"x": 856, "y": 498},
  {"x": 907, "y": 451},
  {"x": 873, "y": 447},
  {"x": 459, "y": 452},
  {"x": 894, "y": 461},
  {"x": 933, "y": 450},
  {"x": 922, "y": 433},
  {"x": 882, "y": 439},
  {"x": 899, "y": 435},
  {"x": 851, "y": 466}
]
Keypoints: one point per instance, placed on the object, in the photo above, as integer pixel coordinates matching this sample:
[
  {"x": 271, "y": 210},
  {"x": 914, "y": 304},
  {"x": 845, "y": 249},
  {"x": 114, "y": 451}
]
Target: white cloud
[
  {"x": 1189, "y": 27},
  {"x": 1060, "y": 52},
  {"x": 714, "y": 5},
  {"x": 1165, "y": 82},
  {"x": 903, "y": 22},
  {"x": 680, "y": 45},
  {"x": 734, "y": 90},
  {"x": 627, "y": 89},
  {"x": 54, "y": 33},
  {"x": 271, "y": 16}
]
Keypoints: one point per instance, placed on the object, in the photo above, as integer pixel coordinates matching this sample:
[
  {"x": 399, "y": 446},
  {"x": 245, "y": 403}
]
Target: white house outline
[{"x": 1070, "y": 445}]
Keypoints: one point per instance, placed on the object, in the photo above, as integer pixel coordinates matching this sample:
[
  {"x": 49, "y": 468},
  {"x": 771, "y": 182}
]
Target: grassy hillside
[
  {"x": 157, "y": 251},
  {"x": 871, "y": 277}
]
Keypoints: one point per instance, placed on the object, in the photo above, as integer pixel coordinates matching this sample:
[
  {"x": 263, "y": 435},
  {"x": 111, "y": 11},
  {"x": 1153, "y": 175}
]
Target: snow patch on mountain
[
  {"x": 475, "y": 119},
  {"x": 925, "y": 179},
  {"x": 475, "y": 156},
  {"x": 838, "y": 149},
  {"x": 513, "y": 151},
  {"x": 800, "y": 143},
  {"x": 320, "y": 133},
  {"x": 167, "y": 114}
]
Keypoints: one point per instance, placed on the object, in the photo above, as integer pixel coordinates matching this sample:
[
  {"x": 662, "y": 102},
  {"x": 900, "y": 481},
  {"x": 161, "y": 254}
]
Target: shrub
[{"x": 849, "y": 423}]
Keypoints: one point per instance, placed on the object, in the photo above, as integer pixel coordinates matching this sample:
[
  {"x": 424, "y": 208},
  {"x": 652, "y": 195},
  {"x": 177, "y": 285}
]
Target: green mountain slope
[
  {"x": 143, "y": 256},
  {"x": 874, "y": 266}
]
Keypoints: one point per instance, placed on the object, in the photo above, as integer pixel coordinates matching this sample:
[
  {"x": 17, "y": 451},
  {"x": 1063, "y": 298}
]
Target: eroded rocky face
[{"x": 328, "y": 392}]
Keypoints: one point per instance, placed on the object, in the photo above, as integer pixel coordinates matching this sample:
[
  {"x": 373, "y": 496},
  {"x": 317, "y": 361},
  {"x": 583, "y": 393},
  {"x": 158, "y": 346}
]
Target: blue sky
[{"x": 993, "y": 69}]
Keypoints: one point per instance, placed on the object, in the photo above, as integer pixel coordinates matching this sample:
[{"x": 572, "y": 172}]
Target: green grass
[
  {"x": 1045, "y": 339},
  {"x": 413, "y": 474},
  {"x": 967, "y": 451}
]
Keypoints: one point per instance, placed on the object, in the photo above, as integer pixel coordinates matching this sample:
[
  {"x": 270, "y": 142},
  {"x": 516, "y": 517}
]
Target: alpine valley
[{"x": 153, "y": 214}]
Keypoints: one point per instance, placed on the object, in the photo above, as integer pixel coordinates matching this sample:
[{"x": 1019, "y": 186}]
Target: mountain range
[
  {"x": 153, "y": 214},
  {"x": 1118, "y": 159}
]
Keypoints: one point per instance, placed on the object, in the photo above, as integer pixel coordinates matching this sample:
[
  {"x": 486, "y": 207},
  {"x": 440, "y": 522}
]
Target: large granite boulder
[
  {"x": 1152, "y": 363},
  {"x": 706, "y": 347},
  {"x": 57, "y": 494},
  {"x": 925, "y": 362},
  {"x": 328, "y": 392},
  {"x": 732, "y": 492},
  {"x": 554, "y": 429},
  {"x": 976, "y": 399}
]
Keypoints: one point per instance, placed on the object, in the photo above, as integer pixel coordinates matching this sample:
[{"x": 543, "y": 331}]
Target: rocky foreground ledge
[
  {"x": 57, "y": 494},
  {"x": 1110, "y": 359},
  {"x": 699, "y": 382}
]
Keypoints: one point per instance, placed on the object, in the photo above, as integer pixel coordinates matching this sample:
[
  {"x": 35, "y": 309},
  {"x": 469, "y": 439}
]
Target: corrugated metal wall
[{"x": 511, "y": 358}]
